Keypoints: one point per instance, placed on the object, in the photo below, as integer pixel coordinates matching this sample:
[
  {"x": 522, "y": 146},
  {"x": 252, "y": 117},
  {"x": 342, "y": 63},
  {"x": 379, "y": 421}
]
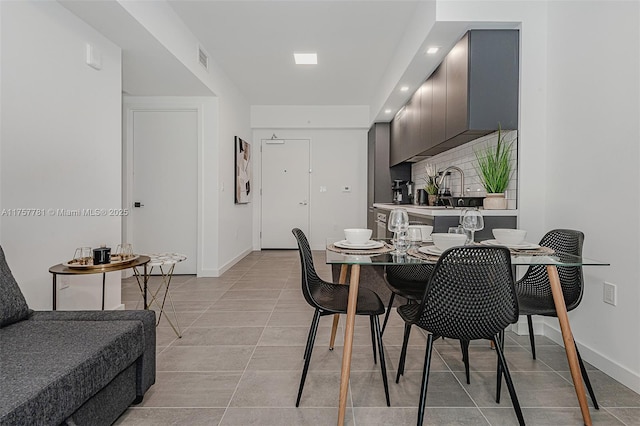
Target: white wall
[
  {"x": 593, "y": 158},
  {"x": 235, "y": 220},
  {"x": 59, "y": 148},
  {"x": 227, "y": 234},
  {"x": 578, "y": 149},
  {"x": 338, "y": 158}
]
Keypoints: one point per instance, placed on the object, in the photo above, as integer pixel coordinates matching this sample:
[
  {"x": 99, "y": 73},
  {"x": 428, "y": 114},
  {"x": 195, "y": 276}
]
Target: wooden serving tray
[{"x": 115, "y": 260}]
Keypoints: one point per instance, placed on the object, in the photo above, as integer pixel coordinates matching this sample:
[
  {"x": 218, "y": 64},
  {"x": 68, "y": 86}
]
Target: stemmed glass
[
  {"x": 472, "y": 221},
  {"x": 463, "y": 211},
  {"x": 398, "y": 222}
]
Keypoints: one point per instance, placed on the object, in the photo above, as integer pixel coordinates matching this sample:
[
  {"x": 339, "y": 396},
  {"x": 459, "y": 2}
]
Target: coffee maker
[{"x": 399, "y": 191}]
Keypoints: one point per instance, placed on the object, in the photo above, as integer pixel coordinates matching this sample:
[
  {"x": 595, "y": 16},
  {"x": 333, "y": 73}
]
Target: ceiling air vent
[{"x": 203, "y": 58}]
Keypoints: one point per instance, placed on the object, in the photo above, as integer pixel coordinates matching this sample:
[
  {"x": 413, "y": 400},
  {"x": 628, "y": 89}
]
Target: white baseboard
[
  {"x": 598, "y": 360},
  {"x": 522, "y": 329},
  {"x": 120, "y": 307},
  {"x": 212, "y": 273}
]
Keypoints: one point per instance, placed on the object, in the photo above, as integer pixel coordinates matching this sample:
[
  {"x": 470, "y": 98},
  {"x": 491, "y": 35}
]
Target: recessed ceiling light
[
  {"x": 306, "y": 58},
  {"x": 387, "y": 111},
  {"x": 404, "y": 88},
  {"x": 432, "y": 50}
]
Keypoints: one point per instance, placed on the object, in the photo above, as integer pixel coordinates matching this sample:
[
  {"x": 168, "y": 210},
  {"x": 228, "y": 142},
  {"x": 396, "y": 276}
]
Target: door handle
[
  {"x": 303, "y": 203},
  {"x": 138, "y": 204}
]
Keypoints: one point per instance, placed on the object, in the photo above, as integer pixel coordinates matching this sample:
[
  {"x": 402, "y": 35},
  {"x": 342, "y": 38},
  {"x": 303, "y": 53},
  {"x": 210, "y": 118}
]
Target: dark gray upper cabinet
[
  {"x": 398, "y": 150},
  {"x": 439, "y": 105},
  {"x": 425, "y": 136},
  {"x": 471, "y": 91},
  {"x": 482, "y": 85},
  {"x": 406, "y": 133},
  {"x": 379, "y": 175},
  {"x": 412, "y": 113}
]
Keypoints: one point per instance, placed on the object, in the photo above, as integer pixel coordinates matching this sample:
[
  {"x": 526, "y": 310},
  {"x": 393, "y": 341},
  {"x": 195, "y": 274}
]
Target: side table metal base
[{"x": 166, "y": 262}]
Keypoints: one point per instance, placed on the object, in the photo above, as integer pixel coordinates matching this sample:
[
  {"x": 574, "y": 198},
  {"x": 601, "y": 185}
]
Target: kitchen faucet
[{"x": 459, "y": 170}]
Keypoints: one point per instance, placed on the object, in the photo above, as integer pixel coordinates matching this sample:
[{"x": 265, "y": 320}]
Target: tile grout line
[{"x": 250, "y": 357}]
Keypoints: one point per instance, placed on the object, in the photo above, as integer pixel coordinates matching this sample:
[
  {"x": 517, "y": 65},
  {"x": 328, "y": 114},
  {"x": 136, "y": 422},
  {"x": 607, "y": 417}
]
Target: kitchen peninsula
[{"x": 441, "y": 218}]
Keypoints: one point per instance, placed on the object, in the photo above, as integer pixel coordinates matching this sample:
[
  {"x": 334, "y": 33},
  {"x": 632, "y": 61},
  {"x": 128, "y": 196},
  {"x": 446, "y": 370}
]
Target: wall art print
[{"x": 243, "y": 171}]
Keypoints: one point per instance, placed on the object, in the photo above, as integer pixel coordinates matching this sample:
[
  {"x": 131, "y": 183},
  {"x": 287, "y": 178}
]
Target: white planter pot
[{"x": 495, "y": 202}]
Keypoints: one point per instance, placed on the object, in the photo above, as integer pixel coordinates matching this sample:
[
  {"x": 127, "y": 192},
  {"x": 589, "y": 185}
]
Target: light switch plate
[
  {"x": 609, "y": 293},
  {"x": 94, "y": 57}
]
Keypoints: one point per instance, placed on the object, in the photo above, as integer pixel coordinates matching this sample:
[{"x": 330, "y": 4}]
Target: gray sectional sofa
[{"x": 73, "y": 367}]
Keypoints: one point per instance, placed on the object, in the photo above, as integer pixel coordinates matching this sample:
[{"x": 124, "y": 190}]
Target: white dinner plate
[
  {"x": 368, "y": 245},
  {"x": 524, "y": 246},
  {"x": 432, "y": 250}
]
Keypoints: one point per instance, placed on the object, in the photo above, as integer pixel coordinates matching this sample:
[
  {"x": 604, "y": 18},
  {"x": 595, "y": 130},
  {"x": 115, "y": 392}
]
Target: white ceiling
[
  {"x": 254, "y": 42},
  {"x": 367, "y": 49}
]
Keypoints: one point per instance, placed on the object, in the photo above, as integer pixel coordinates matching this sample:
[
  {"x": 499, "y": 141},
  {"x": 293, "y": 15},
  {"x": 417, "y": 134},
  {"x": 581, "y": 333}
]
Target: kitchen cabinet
[
  {"x": 398, "y": 152},
  {"x": 406, "y": 136},
  {"x": 442, "y": 224},
  {"x": 379, "y": 175},
  {"x": 470, "y": 92},
  {"x": 413, "y": 141},
  {"x": 439, "y": 105},
  {"x": 482, "y": 85},
  {"x": 442, "y": 219}
]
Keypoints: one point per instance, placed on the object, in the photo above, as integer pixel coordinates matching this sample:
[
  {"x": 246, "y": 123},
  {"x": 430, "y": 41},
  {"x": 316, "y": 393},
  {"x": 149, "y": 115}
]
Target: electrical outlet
[
  {"x": 609, "y": 293},
  {"x": 323, "y": 189}
]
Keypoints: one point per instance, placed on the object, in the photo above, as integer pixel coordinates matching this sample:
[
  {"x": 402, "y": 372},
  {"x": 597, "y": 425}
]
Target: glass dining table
[{"x": 351, "y": 262}]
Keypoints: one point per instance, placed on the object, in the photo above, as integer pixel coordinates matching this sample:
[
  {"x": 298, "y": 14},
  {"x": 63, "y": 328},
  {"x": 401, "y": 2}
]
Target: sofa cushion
[
  {"x": 50, "y": 368},
  {"x": 13, "y": 307}
]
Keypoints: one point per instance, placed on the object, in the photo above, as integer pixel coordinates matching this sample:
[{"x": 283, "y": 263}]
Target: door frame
[
  {"x": 258, "y": 209},
  {"x": 136, "y": 104}
]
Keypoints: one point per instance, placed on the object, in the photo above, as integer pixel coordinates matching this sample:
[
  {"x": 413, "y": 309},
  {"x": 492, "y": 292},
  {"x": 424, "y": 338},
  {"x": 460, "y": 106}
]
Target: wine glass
[
  {"x": 398, "y": 222},
  {"x": 472, "y": 221},
  {"x": 463, "y": 211}
]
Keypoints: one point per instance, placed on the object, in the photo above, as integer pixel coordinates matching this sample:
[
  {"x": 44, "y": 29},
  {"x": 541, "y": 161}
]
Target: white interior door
[
  {"x": 165, "y": 182},
  {"x": 285, "y": 191}
]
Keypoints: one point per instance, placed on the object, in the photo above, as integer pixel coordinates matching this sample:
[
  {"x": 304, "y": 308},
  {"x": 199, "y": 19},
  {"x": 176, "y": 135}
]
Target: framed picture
[{"x": 243, "y": 171}]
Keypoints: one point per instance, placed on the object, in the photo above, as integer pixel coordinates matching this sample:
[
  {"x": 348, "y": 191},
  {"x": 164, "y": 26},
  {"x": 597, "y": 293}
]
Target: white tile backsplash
[{"x": 463, "y": 157}]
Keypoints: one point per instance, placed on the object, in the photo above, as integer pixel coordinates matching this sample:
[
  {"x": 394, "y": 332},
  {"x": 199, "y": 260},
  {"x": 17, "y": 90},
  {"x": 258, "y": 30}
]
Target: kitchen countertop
[{"x": 440, "y": 210}]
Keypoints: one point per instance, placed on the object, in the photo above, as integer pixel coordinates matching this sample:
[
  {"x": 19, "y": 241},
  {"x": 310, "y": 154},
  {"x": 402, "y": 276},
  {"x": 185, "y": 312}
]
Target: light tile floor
[{"x": 240, "y": 359}]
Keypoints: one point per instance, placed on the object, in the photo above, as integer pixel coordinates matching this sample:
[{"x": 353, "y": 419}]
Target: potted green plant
[
  {"x": 431, "y": 184},
  {"x": 495, "y": 169}
]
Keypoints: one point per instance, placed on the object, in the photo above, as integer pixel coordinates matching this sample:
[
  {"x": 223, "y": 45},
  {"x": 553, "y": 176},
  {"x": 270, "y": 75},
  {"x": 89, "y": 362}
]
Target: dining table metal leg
[
  {"x": 336, "y": 318},
  {"x": 348, "y": 342},
  {"x": 569, "y": 344}
]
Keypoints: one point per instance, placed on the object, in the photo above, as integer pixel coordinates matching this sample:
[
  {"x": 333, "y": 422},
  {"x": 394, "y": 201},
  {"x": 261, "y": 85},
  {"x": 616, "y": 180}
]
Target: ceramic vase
[
  {"x": 432, "y": 199},
  {"x": 495, "y": 202}
]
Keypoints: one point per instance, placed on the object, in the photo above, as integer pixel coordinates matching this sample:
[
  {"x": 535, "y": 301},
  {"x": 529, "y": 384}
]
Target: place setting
[
  {"x": 514, "y": 240},
  {"x": 441, "y": 242},
  {"x": 358, "y": 241}
]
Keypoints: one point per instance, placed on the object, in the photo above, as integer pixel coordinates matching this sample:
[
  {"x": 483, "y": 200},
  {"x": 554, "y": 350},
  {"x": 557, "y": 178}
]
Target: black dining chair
[
  {"x": 408, "y": 281},
  {"x": 328, "y": 299},
  {"x": 534, "y": 288},
  {"x": 470, "y": 295}
]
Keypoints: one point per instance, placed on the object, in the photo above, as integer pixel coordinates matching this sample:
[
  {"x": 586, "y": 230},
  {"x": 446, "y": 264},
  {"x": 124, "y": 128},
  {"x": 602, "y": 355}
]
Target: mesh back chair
[
  {"x": 469, "y": 296},
  {"x": 534, "y": 289},
  {"x": 328, "y": 299},
  {"x": 408, "y": 281}
]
